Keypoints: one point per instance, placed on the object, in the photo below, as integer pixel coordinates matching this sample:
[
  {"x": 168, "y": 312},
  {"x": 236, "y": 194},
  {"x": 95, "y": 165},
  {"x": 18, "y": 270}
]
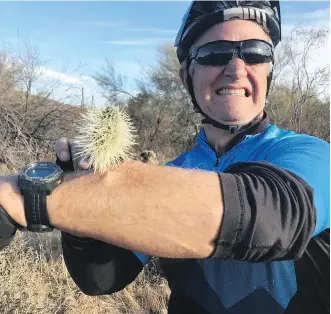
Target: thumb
[
  {"x": 63, "y": 154},
  {"x": 62, "y": 149}
]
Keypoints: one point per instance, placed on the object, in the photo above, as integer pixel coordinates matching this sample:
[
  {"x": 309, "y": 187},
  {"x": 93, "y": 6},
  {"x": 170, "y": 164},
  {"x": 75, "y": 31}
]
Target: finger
[
  {"x": 84, "y": 163},
  {"x": 63, "y": 156},
  {"x": 62, "y": 149}
]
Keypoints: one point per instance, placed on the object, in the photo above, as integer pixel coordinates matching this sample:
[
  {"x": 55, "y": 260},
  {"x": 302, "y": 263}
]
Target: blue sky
[{"x": 124, "y": 32}]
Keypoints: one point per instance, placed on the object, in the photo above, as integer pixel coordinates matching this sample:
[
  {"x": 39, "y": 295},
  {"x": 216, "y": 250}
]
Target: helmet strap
[{"x": 269, "y": 80}]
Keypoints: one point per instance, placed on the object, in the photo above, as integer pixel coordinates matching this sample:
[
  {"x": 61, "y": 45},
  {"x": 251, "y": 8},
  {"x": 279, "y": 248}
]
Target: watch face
[{"x": 41, "y": 170}]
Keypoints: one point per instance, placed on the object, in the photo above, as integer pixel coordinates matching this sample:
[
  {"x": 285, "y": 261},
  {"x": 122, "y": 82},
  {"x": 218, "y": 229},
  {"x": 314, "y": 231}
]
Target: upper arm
[{"x": 309, "y": 159}]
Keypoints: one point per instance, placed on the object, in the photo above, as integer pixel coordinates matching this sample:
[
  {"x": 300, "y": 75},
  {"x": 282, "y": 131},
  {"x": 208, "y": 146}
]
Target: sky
[{"x": 69, "y": 34}]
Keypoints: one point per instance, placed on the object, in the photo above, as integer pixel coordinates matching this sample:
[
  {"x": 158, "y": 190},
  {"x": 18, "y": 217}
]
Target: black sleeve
[
  {"x": 313, "y": 278},
  {"x": 4, "y": 242},
  {"x": 269, "y": 213},
  {"x": 8, "y": 228},
  {"x": 97, "y": 267}
]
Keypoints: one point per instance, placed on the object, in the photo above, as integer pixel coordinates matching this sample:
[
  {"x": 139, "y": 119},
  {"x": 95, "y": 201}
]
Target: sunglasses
[{"x": 220, "y": 52}]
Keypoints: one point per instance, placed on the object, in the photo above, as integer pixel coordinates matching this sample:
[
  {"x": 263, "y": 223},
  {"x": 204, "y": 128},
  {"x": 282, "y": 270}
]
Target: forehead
[{"x": 233, "y": 30}]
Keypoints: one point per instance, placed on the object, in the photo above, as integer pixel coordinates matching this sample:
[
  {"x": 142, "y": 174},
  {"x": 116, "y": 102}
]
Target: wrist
[
  {"x": 61, "y": 203},
  {"x": 37, "y": 182},
  {"x": 53, "y": 205}
]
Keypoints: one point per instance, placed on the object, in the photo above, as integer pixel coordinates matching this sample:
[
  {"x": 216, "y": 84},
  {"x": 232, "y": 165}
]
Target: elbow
[
  {"x": 92, "y": 290},
  {"x": 95, "y": 276},
  {"x": 93, "y": 284}
]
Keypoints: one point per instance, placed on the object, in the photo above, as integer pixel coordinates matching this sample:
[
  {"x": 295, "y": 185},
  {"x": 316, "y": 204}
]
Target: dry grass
[{"x": 34, "y": 279}]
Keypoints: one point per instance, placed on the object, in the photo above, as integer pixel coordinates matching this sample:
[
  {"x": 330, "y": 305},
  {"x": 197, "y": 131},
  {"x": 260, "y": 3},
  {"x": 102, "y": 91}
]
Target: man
[{"x": 239, "y": 220}]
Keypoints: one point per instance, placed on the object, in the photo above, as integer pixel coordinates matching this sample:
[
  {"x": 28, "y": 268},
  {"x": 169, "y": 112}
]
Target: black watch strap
[{"x": 36, "y": 208}]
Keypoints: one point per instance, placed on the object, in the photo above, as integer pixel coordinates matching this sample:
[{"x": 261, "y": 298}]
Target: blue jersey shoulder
[{"x": 309, "y": 158}]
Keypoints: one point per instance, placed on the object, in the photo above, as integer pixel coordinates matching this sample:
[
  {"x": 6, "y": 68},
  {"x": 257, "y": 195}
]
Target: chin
[
  {"x": 233, "y": 112},
  {"x": 231, "y": 118},
  {"x": 229, "y": 112}
]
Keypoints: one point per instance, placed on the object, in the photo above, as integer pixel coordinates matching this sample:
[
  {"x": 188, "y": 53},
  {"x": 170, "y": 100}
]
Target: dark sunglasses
[{"x": 220, "y": 52}]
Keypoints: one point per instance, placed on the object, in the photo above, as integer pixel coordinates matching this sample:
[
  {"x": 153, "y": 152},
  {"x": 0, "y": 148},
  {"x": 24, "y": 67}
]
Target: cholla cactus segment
[{"x": 105, "y": 137}]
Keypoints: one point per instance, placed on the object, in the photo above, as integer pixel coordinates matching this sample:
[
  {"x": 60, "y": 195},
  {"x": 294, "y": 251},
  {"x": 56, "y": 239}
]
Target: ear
[{"x": 183, "y": 77}]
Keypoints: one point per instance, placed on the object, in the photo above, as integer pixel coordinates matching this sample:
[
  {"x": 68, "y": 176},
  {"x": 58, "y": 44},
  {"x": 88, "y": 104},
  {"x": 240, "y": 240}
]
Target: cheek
[
  {"x": 202, "y": 82},
  {"x": 258, "y": 76}
]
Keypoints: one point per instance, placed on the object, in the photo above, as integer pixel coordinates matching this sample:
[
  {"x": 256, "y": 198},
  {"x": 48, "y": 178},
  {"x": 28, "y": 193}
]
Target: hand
[
  {"x": 65, "y": 153},
  {"x": 11, "y": 199}
]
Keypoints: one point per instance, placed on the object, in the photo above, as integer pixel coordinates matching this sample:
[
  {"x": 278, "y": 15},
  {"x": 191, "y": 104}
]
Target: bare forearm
[{"x": 162, "y": 211}]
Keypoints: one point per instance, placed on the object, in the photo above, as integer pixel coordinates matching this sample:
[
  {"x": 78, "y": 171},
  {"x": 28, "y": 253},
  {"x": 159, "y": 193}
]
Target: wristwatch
[{"x": 36, "y": 181}]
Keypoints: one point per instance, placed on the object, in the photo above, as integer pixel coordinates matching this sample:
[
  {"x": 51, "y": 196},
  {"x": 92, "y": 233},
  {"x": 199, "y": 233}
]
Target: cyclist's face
[{"x": 220, "y": 90}]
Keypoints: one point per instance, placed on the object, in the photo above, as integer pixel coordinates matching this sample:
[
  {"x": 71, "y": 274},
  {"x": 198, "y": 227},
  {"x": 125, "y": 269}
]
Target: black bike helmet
[{"x": 202, "y": 15}]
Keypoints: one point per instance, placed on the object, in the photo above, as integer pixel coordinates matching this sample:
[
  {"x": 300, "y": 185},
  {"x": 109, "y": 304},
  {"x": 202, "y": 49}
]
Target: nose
[{"x": 236, "y": 68}]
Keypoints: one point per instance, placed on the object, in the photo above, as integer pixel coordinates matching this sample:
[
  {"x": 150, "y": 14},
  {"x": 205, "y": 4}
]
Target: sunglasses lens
[
  {"x": 255, "y": 51},
  {"x": 215, "y": 54},
  {"x": 221, "y": 52}
]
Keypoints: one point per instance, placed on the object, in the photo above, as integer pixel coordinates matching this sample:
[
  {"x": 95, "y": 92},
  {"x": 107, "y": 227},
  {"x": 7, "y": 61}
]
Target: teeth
[{"x": 234, "y": 92}]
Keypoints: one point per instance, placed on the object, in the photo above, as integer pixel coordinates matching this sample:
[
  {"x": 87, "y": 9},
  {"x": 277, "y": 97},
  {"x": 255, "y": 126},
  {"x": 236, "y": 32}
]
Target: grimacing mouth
[{"x": 247, "y": 92}]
